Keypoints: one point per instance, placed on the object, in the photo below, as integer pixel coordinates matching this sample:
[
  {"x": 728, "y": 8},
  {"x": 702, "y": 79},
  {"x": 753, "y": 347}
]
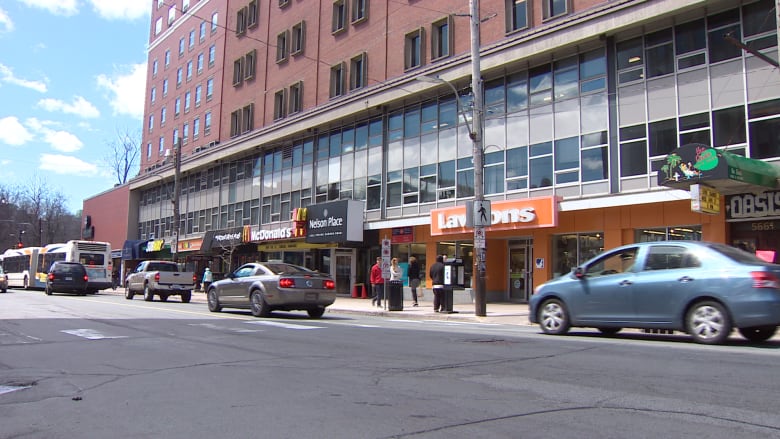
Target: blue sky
[{"x": 72, "y": 76}]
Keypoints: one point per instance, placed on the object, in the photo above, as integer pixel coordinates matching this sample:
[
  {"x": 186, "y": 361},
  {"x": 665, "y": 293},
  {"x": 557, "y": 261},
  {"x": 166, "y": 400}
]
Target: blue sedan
[{"x": 704, "y": 289}]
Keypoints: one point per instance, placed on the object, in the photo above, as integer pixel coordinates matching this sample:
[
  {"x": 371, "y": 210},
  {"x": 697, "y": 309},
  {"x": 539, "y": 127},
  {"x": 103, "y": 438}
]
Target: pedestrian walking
[
  {"x": 437, "y": 277},
  {"x": 207, "y": 279},
  {"x": 414, "y": 277},
  {"x": 377, "y": 283}
]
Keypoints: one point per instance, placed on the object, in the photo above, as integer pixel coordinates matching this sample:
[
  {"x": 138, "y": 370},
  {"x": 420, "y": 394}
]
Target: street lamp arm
[{"x": 437, "y": 80}]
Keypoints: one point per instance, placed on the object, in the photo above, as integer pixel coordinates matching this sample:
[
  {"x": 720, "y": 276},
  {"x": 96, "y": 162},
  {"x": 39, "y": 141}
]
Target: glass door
[
  {"x": 520, "y": 271},
  {"x": 345, "y": 266}
]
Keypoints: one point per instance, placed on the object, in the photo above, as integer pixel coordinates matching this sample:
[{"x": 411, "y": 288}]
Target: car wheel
[
  {"x": 213, "y": 300},
  {"x": 129, "y": 293},
  {"x": 163, "y": 297},
  {"x": 316, "y": 313},
  {"x": 259, "y": 307},
  {"x": 47, "y": 291},
  {"x": 186, "y": 297},
  {"x": 609, "y": 331},
  {"x": 758, "y": 333},
  {"x": 25, "y": 285},
  {"x": 708, "y": 323},
  {"x": 553, "y": 317},
  {"x": 148, "y": 294}
]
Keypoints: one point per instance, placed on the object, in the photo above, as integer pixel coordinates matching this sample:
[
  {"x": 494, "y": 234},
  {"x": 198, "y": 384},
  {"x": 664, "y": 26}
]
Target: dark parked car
[
  {"x": 704, "y": 289},
  {"x": 67, "y": 277},
  {"x": 267, "y": 286}
]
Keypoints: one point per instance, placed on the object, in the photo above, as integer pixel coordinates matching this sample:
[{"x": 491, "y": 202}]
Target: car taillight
[
  {"x": 157, "y": 277},
  {"x": 51, "y": 276},
  {"x": 762, "y": 279},
  {"x": 329, "y": 284},
  {"x": 194, "y": 279},
  {"x": 86, "y": 278},
  {"x": 286, "y": 282}
]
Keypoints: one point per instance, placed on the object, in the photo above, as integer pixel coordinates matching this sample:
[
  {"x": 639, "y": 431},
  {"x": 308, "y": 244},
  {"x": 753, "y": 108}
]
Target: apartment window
[
  {"x": 187, "y": 101},
  {"x": 413, "y": 49},
  {"x": 359, "y": 10},
  {"x": 209, "y": 89},
  {"x": 203, "y": 28},
  {"x": 165, "y": 87},
  {"x": 296, "y": 97},
  {"x": 167, "y": 58},
  {"x": 153, "y": 94},
  {"x": 185, "y": 133},
  {"x": 192, "y": 39},
  {"x": 189, "y": 70},
  {"x": 337, "y": 80},
  {"x": 235, "y": 123},
  {"x": 280, "y": 100},
  {"x": 182, "y": 44},
  {"x": 517, "y": 15},
  {"x": 177, "y": 107},
  {"x": 298, "y": 38},
  {"x": 158, "y": 26},
  {"x": 162, "y": 116},
  {"x": 200, "y": 63},
  {"x": 214, "y": 21},
  {"x": 357, "y": 72},
  {"x": 198, "y": 95},
  {"x": 185, "y": 4},
  {"x": 151, "y": 122},
  {"x": 195, "y": 128},
  {"x": 238, "y": 71},
  {"x": 241, "y": 21},
  {"x": 339, "y": 16},
  {"x": 149, "y": 150},
  {"x": 154, "y": 68},
  {"x": 554, "y": 8},
  {"x": 171, "y": 14},
  {"x": 212, "y": 55},
  {"x": 161, "y": 146},
  {"x": 251, "y": 14},
  {"x": 250, "y": 65},
  {"x": 441, "y": 38},
  {"x": 247, "y": 118},
  {"x": 175, "y": 137},
  {"x": 282, "y": 48},
  {"x": 179, "y": 76},
  {"x": 207, "y": 123}
]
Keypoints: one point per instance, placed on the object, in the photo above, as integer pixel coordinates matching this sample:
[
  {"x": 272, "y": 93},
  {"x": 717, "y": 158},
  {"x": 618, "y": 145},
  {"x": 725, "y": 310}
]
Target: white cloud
[
  {"x": 6, "y": 25},
  {"x": 56, "y": 7},
  {"x": 7, "y": 75},
  {"x": 121, "y": 9},
  {"x": 12, "y": 132},
  {"x": 62, "y": 140},
  {"x": 65, "y": 164},
  {"x": 126, "y": 91},
  {"x": 79, "y": 106}
]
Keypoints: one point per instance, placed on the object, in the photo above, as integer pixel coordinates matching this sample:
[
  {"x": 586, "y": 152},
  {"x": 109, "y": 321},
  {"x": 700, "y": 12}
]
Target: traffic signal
[{"x": 19, "y": 245}]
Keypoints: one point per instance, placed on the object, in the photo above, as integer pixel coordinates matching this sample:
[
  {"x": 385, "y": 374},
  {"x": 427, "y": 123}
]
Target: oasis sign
[
  {"x": 746, "y": 206},
  {"x": 505, "y": 215}
]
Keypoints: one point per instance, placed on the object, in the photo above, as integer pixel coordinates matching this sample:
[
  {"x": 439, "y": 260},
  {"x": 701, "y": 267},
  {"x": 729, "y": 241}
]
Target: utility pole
[
  {"x": 480, "y": 250},
  {"x": 175, "y": 201}
]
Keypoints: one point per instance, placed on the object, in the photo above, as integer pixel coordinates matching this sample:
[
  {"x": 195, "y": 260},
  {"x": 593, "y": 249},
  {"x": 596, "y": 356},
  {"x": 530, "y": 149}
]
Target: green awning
[{"x": 726, "y": 172}]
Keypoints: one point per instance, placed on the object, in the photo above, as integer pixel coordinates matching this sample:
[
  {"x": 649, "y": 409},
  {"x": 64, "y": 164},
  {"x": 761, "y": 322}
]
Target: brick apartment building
[{"x": 282, "y": 105}]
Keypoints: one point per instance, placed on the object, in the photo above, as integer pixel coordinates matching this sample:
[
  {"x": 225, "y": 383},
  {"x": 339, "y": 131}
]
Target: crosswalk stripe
[{"x": 90, "y": 334}]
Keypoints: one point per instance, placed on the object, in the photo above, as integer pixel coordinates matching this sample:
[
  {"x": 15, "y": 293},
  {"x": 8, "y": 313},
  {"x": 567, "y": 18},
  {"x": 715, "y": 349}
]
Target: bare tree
[
  {"x": 123, "y": 154},
  {"x": 42, "y": 215}
]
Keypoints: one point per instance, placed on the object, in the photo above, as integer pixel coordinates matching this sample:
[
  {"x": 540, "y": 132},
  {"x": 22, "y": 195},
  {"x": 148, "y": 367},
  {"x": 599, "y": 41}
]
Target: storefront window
[
  {"x": 573, "y": 249},
  {"x": 669, "y": 234},
  {"x": 404, "y": 251}
]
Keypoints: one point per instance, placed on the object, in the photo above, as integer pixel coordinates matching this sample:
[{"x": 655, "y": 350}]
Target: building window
[
  {"x": 161, "y": 146},
  {"x": 339, "y": 16},
  {"x": 200, "y": 63},
  {"x": 251, "y": 14},
  {"x": 554, "y": 8},
  {"x": 198, "y": 95},
  {"x": 179, "y": 77},
  {"x": 182, "y": 45},
  {"x": 153, "y": 94},
  {"x": 337, "y": 80},
  {"x": 165, "y": 87},
  {"x": 209, "y": 89},
  {"x": 359, "y": 10},
  {"x": 633, "y": 150},
  {"x": 235, "y": 123},
  {"x": 202, "y": 36},
  {"x": 158, "y": 26},
  {"x": 298, "y": 38},
  {"x": 154, "y": 69},
  {"x": 185, "y": 5},
  {"x": 212, "y": 55},
  {"x": 167, "y": 58},
  {"x": 192, "y": 39},
  {"x": 282, "y": 48},
  {"x": 630, "y": 61},
  {"x": 187, "y": 101},
  {"x": 280, "y": 101},
  {"x": 441, "y": 38},
  {"x": 207, "y": 123},
  {"x": 296, "y": 97},
  {"x": 171, "y": 15},
  {"x": 413, "y": 49},
  {"x": 177, "y": 107},
  {"x": 162, "y": 116},
  {"x": 185, "y": 133},
  {"x": 238, "y": 71},
  {"x": 149, "y": 150},
  {"x": 250, "y": 65},
  {"x": 357, "y": 71},
  {"x": 189, "y": 70},
  {"x": 195, "y": 128},
  {"x": 151, "y": 122},
  {"x": 247, "y": 118},
  {"x": 517, "y": 15},
  {"x": 214, "y": 22},
  {"x": 241, "y": 21},
  {"x": 283, "y": 3},
  {"x": 659, "y": 53}
]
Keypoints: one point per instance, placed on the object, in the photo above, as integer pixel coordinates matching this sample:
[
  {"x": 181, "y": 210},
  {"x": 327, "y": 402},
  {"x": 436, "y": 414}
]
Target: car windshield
[
  {"x": 280, "y": 268},
  {"x": 736, "y": 254}
]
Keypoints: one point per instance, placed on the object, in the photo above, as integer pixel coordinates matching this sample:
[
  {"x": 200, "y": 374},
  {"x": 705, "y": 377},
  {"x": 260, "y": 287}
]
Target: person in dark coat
[
  {"x": 413, "y": 272},
  {"x": 437, "y": 277}
]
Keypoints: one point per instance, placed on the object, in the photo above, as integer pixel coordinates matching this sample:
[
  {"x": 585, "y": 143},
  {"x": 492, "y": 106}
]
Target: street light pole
[
  {"x": 176, "y": 195},
  {"x": 480, "y": 250}
]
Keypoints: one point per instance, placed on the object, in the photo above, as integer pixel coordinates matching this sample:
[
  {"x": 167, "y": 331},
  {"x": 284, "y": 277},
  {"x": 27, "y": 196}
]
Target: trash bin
[
  {"x": 395, "y": 297},
  {"x": 447, "y": 299}
]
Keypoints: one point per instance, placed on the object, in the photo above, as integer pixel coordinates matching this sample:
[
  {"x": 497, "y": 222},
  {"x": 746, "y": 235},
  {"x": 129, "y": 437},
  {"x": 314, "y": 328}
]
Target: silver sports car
[{"x": 263, "y": 287}]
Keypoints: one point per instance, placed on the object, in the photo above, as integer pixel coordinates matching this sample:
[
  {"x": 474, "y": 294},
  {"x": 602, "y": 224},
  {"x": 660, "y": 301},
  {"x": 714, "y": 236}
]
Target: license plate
[
  {"x": 176, "y": 287},
  {"x": 311, "y": 296},
  {"x": 68, "y": 278}
]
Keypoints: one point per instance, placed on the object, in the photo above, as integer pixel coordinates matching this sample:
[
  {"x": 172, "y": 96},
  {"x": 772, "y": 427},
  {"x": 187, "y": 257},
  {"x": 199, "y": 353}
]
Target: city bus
[
  {"x": 20, "y": 266},
  {"x": 95, "y": 256}
]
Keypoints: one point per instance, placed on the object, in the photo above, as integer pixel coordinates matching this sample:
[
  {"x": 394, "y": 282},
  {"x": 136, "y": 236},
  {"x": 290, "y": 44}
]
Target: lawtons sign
[{"x": 505, "y": 215}]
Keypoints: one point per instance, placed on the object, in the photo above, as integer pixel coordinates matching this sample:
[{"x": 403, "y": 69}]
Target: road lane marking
[
  {"x": 90, "y": 334},
  {"x": 283, "y": 325},
  {"x": 225, "y": 328}
]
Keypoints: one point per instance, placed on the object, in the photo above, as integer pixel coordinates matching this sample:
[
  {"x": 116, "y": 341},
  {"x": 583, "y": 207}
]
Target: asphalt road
[{"x": 101, "y": 366}]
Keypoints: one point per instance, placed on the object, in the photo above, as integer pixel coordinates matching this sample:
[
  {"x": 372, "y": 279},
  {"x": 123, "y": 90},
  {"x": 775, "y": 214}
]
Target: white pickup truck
[{"x": 162, "y": 278}]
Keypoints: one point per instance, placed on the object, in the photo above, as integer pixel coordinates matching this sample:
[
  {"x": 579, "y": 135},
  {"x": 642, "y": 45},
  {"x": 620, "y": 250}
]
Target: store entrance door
[
  {"x": 345, "y": 266},
  {"x": 520, "y": 270}
]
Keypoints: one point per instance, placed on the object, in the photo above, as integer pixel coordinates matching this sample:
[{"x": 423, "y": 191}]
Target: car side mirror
[
  {"x": 231, "y": 276},
  {"x": 579, "y": 272}
]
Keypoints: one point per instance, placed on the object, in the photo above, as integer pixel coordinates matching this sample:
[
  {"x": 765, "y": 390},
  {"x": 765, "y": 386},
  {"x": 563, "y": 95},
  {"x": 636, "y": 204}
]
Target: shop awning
[
  {"x": 726, "y": 172},
  {"x": 134, "y": 249}
]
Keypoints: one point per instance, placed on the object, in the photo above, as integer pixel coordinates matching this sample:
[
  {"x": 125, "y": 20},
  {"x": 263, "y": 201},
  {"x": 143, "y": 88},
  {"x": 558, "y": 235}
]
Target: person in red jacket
[{"x": 377, "y": 283}]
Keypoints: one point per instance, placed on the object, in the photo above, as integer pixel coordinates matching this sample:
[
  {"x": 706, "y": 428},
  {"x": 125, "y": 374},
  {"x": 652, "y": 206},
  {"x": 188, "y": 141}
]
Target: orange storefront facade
[{"x": 533, "y": 240}]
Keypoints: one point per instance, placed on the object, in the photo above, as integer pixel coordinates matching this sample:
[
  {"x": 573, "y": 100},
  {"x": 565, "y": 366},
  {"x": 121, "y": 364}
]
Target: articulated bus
[
  {"x": 20, "y": 265},
  {"x": 95, "y": 256}
]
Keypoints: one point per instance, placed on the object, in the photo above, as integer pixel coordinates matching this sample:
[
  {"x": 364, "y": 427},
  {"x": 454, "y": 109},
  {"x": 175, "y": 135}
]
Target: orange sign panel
[{"x": 528, "y": 213}]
